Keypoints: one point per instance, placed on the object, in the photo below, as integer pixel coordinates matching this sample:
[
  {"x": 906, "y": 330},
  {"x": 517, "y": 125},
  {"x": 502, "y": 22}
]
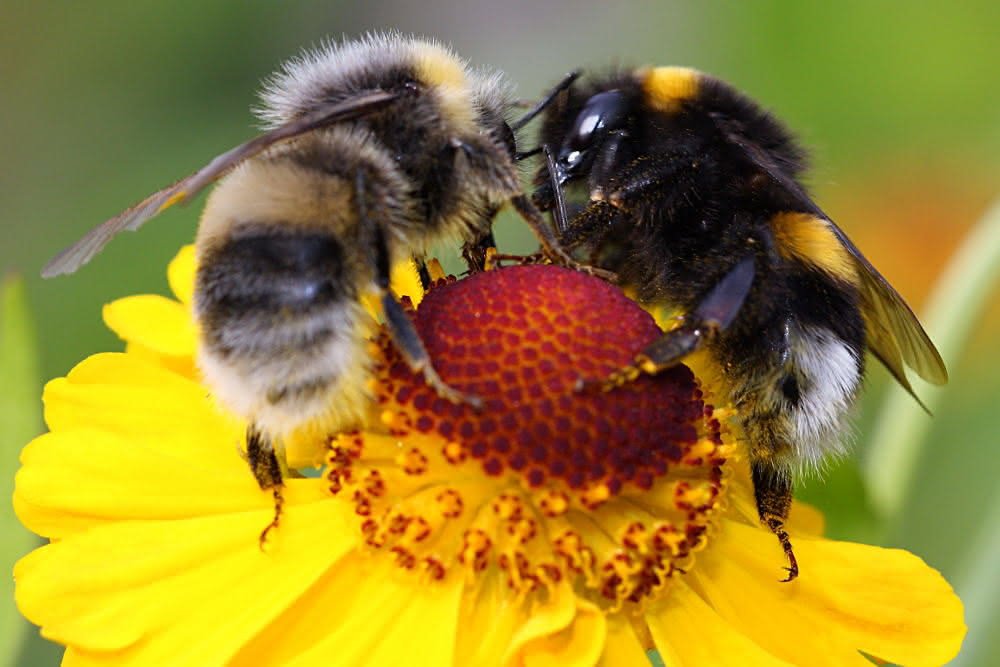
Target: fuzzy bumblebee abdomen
[
  {"x": 282, "y": 333},
  {"x": 795, "y": 413}
]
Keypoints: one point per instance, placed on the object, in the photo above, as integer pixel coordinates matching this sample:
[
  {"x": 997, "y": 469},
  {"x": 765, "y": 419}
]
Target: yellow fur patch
[
  {"x": 269, "y": 192},
  {"x": 666, "y": 87},
  {"x": 446, "y": 74},
  {"x": 809, "y": 239}
]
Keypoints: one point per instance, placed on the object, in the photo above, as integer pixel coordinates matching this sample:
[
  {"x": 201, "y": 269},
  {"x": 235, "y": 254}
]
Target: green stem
[
  {"x": 19, "y": 422},
  {"x": 954, "y": 307},
  {"x": 978, "y": 585}
]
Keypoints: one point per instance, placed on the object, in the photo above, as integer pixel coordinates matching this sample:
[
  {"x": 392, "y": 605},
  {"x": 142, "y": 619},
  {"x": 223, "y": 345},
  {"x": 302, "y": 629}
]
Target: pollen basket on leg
[{"x": 612, "y": 492}]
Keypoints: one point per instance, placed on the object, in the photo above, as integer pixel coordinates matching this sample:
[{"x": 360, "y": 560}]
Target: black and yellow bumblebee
[
  {"x": 374, "y": 149},
  {"x": 692, "y": 196}
]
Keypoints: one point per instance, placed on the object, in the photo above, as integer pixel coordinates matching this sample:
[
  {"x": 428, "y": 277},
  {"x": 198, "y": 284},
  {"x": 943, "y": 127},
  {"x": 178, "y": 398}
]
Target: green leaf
[
  {"x": 20, "y": 416},
  {"x": 978, "y": 585}
]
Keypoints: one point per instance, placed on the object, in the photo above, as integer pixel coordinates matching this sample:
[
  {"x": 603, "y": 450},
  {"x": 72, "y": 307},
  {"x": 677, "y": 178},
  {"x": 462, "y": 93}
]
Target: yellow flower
[{"x": 551, "y": 528}]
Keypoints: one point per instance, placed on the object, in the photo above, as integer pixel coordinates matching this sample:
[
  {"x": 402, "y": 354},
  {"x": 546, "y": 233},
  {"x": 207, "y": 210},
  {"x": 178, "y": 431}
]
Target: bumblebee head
[{"x": 602, "y": 116}]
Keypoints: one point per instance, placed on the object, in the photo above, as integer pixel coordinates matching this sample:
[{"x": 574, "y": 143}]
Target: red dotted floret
[{"x": 521, "y": 338}]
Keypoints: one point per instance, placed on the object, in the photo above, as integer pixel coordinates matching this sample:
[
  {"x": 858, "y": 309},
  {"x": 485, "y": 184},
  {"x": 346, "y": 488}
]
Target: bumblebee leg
[
  {"x": 543, "y": 195},
  {"x": 399, "y": 324},
  {"x": 716, "y": 311},
  {"x": 537, "y": 258},
  {"x": 662, "y": 353},
  {"x": 649, "y": 177},
  {"x": 591, "y": 225},
  {"x": 550, "y": 245},
  {"x": 407, "y": 341},
  {"x": 267, "y": 470},
  {"x": 423, "y": 272},
  {"x": 773, "y": 491},
  {"x": 474, "y": 252}
]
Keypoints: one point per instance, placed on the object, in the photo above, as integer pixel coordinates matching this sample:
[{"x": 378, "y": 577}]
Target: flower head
[
  {"x": 552, "y": 525},
  {"x": 530, "y": 488}
]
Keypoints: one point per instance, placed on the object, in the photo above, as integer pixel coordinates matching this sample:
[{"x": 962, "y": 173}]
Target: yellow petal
[
  {"x": 367, "y": 612},
  {"x": 579, "y": 644},
  {"x": 760, "y": 606},
  {"x": 122, "y": 394},
  {"x": 183, "y": 366},
  {"x": 76, "y": 658},
  {"x": 405, "y": 281},
  {"x": 180, "y": 274},
  {"x": 489, "y": 607},
  {"x": 848, "y": 597},
  {"x": 156, "y": 322},
  {"x": 71, "y": 481},
  {"x": 803, "y": 519},
  {"x": 689, "y": 633},
  {"x": 622, "y": 647},
  {"x": 546, "y": 618},
  {"x": 512, "y": 630},
  {"x": 305, "y": 449},
  {"x": 178, "y": 592},
  {"x": 118, "y": 368}
]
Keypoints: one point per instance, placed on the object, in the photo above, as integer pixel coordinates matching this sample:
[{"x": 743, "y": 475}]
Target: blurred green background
[{"x": 104, "y": 103}]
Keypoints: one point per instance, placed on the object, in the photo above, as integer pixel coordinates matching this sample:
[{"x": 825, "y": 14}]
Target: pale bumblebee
[
  {"x": 374, "y": 150},
  {"x": 691, "y": 194}
]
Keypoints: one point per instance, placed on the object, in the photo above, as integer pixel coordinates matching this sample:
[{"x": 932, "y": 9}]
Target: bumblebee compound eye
[{"x": 602, "y": 114}]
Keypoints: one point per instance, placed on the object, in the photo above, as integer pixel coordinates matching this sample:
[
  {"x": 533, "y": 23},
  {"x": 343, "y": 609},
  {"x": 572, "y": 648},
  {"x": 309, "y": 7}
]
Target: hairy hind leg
[
  {"x": 267, "y": 470},
  {"x": 772, "y": 489}
]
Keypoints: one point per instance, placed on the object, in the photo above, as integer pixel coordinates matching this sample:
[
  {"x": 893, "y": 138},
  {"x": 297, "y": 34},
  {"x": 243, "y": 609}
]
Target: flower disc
[{"x": 542, "y": 461}]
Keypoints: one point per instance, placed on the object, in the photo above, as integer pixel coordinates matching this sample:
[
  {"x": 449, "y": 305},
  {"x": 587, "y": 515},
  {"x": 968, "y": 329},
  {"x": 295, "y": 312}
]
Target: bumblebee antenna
[
  {"x": 555, "y": 179},
  {"x": 566, "y": 82}
]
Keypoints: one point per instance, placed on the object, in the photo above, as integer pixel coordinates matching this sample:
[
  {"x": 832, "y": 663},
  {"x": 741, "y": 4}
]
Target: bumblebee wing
[
  {"x": 893, "y": 332},
  {"x": 762, "y": 159},
  {"x": 81, "y": 252}
]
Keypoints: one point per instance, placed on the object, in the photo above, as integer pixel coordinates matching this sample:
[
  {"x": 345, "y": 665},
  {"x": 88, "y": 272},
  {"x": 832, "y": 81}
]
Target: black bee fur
[{"x": 691, "y": 195}]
